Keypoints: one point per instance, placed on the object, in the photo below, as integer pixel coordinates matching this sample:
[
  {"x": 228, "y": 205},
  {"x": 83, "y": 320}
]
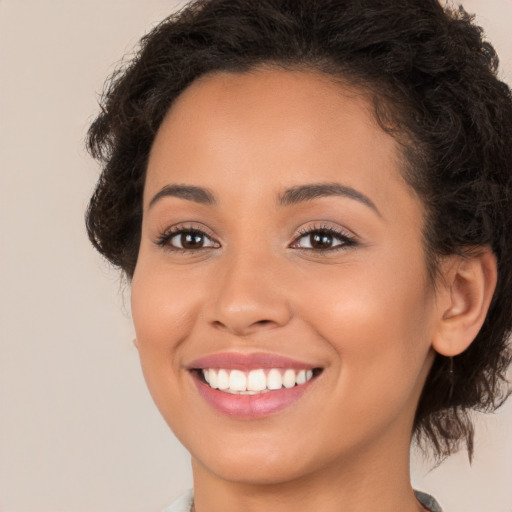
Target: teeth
[
  {"x": 211, "y": 377},
  {"x": 237, "y": 381},
  {"x": 222, "y": 379},
  {"x": 274, "y": 379},
  {"x": 289, "y": 379},
  {"x": 255, "y": 381},
  {"x": 301, "y": 377}
]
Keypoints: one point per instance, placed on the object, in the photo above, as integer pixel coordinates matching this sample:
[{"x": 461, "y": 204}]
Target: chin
[
  {"x": 256, "y": 459},
  {"x": 260, "y": 469}
]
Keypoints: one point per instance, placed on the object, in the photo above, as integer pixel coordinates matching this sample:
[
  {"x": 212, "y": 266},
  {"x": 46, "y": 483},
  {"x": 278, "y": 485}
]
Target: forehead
[
  {"x": 303, "y": 105},
  {"x": 274, "y": 128}
]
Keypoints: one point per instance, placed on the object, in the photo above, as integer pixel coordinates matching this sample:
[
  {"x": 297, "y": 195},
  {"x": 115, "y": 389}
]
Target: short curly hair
[{"x": 433, "y": 80}]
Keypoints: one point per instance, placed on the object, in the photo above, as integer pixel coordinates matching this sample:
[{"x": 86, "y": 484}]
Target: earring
[{"x": 451, "y": 379}]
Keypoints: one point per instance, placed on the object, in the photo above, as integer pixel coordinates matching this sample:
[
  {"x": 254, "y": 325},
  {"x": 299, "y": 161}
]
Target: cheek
[
  {"x": 162, "y": 311},
  {"x": 378, "y": 322},
  {"x": 162, "y": 307}
]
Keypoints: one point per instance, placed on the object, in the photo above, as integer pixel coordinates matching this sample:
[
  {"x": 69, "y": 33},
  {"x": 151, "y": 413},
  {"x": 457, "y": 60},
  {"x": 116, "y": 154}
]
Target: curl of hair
[{"x": 435, "y": 89}]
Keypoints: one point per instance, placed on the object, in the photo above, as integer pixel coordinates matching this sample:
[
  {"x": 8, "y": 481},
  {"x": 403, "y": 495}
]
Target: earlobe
[{"x": 465, "y": 295}]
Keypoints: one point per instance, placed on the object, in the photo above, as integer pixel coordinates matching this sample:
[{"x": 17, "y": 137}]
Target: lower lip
[{"x": 250, "y": 406}]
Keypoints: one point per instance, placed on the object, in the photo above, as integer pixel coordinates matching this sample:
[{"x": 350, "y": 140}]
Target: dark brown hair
[{"x": 434, "y": 84}]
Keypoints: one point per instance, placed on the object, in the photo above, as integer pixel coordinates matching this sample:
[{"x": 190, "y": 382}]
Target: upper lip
[{"x": 247, "y": 362}]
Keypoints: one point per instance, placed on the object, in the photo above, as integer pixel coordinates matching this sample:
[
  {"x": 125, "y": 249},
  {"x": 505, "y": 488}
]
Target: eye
[
  {"x": 186, "y": 239},
  {"x": 322, "y": 239}
]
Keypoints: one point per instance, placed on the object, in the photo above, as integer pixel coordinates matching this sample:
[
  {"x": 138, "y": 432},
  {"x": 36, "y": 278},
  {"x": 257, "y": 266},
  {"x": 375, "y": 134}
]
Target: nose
[{"x": 250, "y": 295}]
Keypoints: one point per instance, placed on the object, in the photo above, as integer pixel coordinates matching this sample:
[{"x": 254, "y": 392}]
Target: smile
[
  {"x": 255, "y": 381},
  {"x": 251, "y": 386}
]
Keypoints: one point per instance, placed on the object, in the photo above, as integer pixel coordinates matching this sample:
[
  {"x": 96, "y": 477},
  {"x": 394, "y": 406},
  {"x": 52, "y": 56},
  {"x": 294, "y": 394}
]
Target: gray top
[
  {"x": 428, "y": 501},
  {"x": 184, "y": 502}
]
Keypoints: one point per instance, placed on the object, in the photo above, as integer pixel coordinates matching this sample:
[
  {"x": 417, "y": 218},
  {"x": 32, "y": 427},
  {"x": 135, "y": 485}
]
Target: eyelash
[
  {"x": 165, "y": 238},
  {"x": 346, "y": 240},
  {"x": 342, "y": 236}
]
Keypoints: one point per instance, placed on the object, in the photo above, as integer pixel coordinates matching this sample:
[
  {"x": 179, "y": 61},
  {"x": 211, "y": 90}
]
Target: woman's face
[{"x": 281, "y": 248}]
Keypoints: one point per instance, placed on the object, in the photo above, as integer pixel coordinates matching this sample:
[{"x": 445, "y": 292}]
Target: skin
[{"x": 366, "y": 314}]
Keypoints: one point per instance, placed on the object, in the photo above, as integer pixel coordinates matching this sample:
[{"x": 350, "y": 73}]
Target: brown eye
[
  {"x": 321, "y": 240},
  {"x": 189, "y": 240}
]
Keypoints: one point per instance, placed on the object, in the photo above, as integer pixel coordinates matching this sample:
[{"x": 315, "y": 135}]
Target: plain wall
[{"x": 78, "y": 430}]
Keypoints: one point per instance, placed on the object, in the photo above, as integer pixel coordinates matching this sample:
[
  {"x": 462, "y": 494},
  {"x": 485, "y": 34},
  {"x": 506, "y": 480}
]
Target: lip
[
  {"x": 248, "y": 362},
  {"x": 249, "y": 406}
]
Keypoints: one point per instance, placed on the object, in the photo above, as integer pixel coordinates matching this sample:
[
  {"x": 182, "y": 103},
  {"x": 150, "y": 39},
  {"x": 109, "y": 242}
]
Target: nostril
[
  {"x": 263, "y": 322},
  {"x": 242, "y": 327}
]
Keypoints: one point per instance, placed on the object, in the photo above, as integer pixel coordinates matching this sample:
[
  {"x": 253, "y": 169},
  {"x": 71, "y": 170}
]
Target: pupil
[
  {"x": 191, "y": 240},
  {"x": 321, "y": 240}
]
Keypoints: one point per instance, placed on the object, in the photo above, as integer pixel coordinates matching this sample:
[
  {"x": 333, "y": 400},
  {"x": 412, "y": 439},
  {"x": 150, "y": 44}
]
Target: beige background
[{"x": 78, "y": 431}]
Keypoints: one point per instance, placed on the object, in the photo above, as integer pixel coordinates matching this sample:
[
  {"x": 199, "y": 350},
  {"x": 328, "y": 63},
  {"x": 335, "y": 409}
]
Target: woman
[{"x": 312, "y": 201}]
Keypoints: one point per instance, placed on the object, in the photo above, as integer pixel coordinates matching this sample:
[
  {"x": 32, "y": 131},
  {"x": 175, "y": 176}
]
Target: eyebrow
[
  {"x": 190, "y": 192},
  {"x": 291, "y": 196},
  {"x": 312, "y": 191}
]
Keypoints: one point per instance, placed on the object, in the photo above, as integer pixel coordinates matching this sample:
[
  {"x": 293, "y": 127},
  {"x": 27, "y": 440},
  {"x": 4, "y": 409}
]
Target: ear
[{"x": 464, "y": 294}]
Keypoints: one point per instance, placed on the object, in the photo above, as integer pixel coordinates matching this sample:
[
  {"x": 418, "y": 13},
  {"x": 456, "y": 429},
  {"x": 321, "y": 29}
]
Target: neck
[{"x": 368, "y": 482}]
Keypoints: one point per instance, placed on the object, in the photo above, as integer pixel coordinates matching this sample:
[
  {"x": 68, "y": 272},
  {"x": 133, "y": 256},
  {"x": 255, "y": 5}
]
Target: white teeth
[
  {"x": 255, "y": 381},
  {"x": 274, "y": 379},
  {"x": 301, "y": 377},
  {"x": 237, "y": 381},
  {"x": 222, "y": 379},
  {"x": 211, "y": 378},
  {"x": 289, "y": 379}
]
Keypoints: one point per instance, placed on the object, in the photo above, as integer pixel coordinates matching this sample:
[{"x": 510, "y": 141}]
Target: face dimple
[{"x": 349, "y": 297}]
